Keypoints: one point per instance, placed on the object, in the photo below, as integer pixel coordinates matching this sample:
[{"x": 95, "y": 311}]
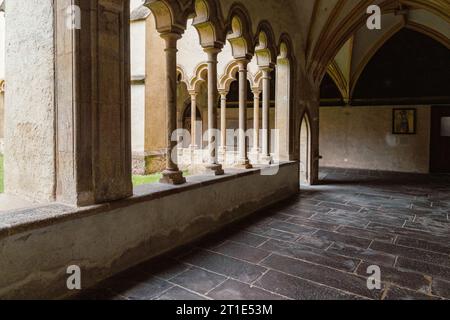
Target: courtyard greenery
[{"x": 137, "y": 180}]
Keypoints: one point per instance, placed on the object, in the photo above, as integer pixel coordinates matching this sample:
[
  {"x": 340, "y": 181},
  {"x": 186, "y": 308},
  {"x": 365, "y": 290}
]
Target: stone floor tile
[
  {"x": 273, "y": 233},
  {"x": 313, "y": 223},
  {"x": 423, "y": 267},
  {"x": 249, "y": 239},
  {"x": 243, "y": 252},
  {"x": 177, "y": 293},
  {"x": 235, "y": 290},
  {"x": 412, "y": 253},
  {"x": 303, "y": 252},
  {"x": 323, "y": 275},
  {"x": 300, "y": 289},
  {"x": 292, "y": 228},
  {"x": 397, "y": 293},
  {"x": 366, "y": 254},
  {"x": 366, "y": 234},
  {"x": 441, "y": 288},
  {"x": 144, "y": 290},
  {"x": 198, "y": 280},
  {"x": 234, "y": 268}
]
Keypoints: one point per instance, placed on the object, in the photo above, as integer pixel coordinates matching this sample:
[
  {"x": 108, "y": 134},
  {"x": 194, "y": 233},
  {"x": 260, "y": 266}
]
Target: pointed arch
[
  {"x": 239, "y": 32},
  {"x": 209, "y": 23},
  {"x": 200, "y": 75},
  {"x": 284, "y": 97},
  {"x": 170, "y": 15},
  {"x": 305, "y": 148},
  {"x": 265, "y": 50}
]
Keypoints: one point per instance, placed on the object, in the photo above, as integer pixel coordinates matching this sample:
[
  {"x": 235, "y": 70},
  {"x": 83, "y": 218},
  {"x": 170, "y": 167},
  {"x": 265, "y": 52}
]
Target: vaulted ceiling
[{"x": 337, "y": 41}]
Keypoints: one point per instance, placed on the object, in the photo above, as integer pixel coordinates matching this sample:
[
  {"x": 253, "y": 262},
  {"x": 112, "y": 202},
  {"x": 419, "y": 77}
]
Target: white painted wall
[
  {"x": 137, "y": 46},
  {"x": 137, "y": 61},
  {"x": 361, "y": 137},
  {"x": 138, "y": 118},
  {"x": 2, "y": 45}
]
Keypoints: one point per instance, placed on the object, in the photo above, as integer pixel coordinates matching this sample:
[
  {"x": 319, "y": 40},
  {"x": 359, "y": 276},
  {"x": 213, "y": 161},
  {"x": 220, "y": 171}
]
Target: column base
[
  {"x": 266, "y": 160},
  {"x": 243, "y": 164},
  {"x": 214, "y": 169},
  {"x": 172, "y": 177}
]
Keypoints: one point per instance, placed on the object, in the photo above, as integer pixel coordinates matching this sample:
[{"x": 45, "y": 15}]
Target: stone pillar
[
  {"x": 243, "y": 161},
  {"x": 265, "y": 157},
  {"x": 193, "y": 145},
  {"x": 171, "y": 175},
  {"x": 213, "y": 165},
  {"x": 256, "y": 106},
  {"x": 93, "y": 117},
  {"x": 223, "y": 121}
]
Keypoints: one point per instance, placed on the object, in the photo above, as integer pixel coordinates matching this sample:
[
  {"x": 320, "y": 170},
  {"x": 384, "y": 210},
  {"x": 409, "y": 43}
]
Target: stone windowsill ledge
[{"x": 22, "y": 220}]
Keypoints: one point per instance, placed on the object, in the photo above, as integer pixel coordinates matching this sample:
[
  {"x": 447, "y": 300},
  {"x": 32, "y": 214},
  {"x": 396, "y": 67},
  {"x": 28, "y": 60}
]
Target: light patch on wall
[
  {"x": 392, "y": 140},
  {"x": 445, "y": 127}
]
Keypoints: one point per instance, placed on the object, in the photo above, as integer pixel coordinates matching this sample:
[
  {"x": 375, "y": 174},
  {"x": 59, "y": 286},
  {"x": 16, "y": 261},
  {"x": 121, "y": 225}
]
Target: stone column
[
  {"x": 193, "y": 145},
  {"x": 213, "y": 165},
  {"x": 92, "y": 99},
  {"x": 243, "y": 161},
  {"x": 265, "y": 157},
  {"x": 223, "y": 121},
  {"x": 171, "y": 175},
  {"x": 256, "y": 105}
]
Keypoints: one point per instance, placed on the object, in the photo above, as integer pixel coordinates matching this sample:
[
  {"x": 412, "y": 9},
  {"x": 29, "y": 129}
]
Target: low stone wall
[{"x": 38, "y": 245}]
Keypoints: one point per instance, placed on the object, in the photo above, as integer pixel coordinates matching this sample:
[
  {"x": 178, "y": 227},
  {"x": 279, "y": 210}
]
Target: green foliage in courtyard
[
  {"x": 137, "y": 180},
  {"x": 140, "y": 180},
  {"x": 153, "y": 178}
]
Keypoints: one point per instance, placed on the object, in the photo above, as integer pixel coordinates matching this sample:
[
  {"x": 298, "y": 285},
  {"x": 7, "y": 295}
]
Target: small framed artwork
[{"x": 404, "y": 121}]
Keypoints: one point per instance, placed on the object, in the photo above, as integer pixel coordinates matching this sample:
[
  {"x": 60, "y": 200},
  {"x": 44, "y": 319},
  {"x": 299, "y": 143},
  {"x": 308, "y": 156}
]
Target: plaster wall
[
  {"x": 138, "y": 118},
  {"x": 37, "y": 245},
  {"x": 2, "y": 117},
  {"x": 155, "y": 100},
  {"x": 137, "y": 62},
  {"x": 137, "y": 47},
  {"x": 30, "y": 133},
  {"x": 361, "y": 137},
  {"x": 2, "y": 45}
]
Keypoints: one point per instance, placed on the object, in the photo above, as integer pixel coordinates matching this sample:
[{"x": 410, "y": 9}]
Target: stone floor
[{"x": 315, "y": 246}]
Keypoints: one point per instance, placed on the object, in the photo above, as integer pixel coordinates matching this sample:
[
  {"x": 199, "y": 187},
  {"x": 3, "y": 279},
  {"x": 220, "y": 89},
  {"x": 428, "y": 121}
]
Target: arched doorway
[{"x": 305, "y": 151}]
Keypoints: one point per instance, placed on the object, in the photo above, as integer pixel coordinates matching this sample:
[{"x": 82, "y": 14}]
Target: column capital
[
  {"x": 242, "y": 63},
  {"x": 266, "y": 70},
  {"x": 223, "y": 93},
  {"x": 171, "y": 39},
  {"x": 256, "y": 92},
  {"x": 193, "y": 93},
  {"x": 212, "y": 52}
]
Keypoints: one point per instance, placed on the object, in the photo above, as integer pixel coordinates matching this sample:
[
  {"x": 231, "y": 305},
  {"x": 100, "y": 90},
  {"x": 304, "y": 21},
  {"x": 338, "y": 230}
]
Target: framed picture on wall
[{"x": 404, "y": 121}]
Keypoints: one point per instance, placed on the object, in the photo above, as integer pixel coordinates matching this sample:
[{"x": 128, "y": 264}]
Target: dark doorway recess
[{"x": 440, "y": 139}]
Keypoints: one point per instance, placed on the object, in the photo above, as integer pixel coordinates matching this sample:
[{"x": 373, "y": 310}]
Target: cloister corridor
[
  {"x": 225, "y": 150},
  {"x": 317, "y": 245}
]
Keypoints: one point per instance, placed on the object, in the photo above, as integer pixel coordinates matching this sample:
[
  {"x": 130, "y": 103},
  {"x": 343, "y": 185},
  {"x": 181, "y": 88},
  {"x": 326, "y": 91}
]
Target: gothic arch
[
  {"x": 170, "y": 15},
  {"x": 239, "y": 32},
  {"x": 209, "y": 23},
  {"x": 200, "y": 75},
  {"x": 305, "y": 148},
  {"x": 265, "y": 50}
]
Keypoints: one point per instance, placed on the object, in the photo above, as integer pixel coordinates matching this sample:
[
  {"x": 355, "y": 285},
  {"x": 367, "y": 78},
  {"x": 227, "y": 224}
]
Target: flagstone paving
[{"x": 318, "y": 245}]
